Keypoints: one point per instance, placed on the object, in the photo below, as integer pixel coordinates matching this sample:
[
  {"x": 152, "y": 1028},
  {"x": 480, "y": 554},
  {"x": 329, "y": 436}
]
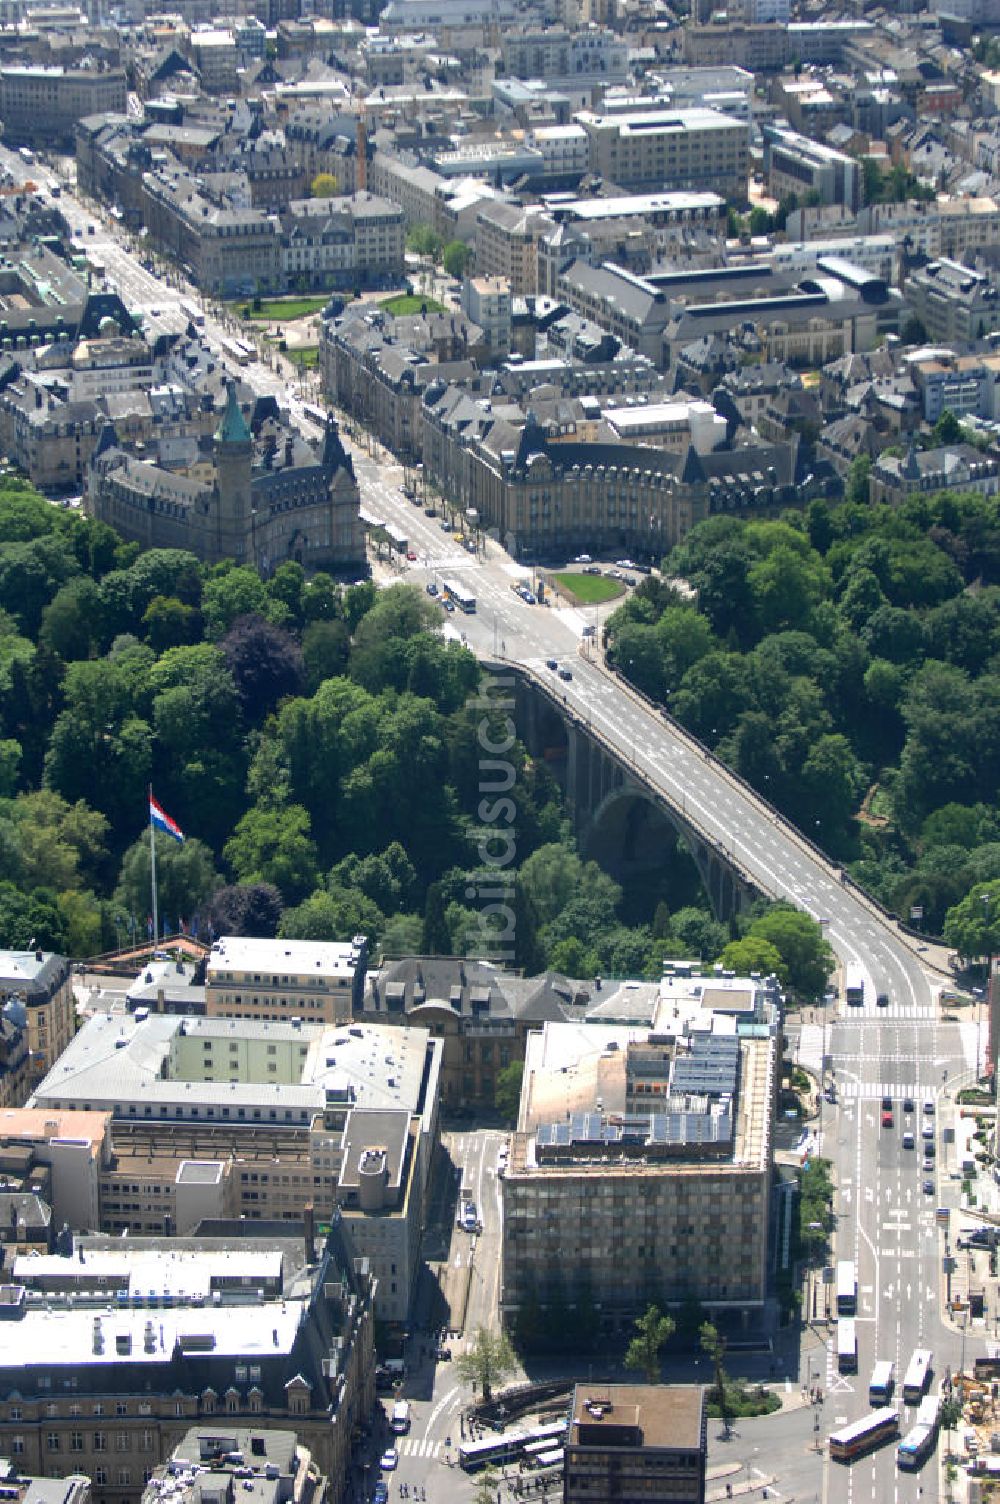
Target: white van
[{"x": 401, "y": 1417}]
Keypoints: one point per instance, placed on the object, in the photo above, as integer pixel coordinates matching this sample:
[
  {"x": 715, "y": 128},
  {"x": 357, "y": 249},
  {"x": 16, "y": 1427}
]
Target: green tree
[
  {"x": 436, "y": 940},
  {"x": 856, "y": 490},
  {"x": 487, "y": 1361},
  {"x": 324, "y": 185},
  {"x": 713, "y": 1344},
  {"x": 752, "y": 953},
  {"x": 455, "y": 258},
  {"x": 424, "y": 241},
  {"x": 947, "y": 430},
  {"x": 799, "y": 942},
  {"x": 185, "y": 878},
  {"x": 336, "y": 915},
  {"x": 274, "y": 845},
  {"x": 507, "y": 1090},
  {"x": 652, "y": 1331},
  {"x": 972, "y": 926}
]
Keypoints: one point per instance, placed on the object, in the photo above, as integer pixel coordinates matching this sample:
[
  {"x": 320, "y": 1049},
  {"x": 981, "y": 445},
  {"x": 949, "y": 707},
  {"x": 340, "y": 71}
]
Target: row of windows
[{"x": 16, "y": 1412}]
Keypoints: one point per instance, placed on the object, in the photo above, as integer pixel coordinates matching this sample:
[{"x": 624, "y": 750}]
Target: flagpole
[{"x": 152, "y": 870}]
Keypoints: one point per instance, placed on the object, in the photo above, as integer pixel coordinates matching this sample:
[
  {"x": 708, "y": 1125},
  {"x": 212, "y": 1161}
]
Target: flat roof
[
  {"x": 232, "y": 953},
  {"x": 61, "y": 1339},
  {"x": 671, "y": 1416},
  {"x": 148, "y": 1069}
]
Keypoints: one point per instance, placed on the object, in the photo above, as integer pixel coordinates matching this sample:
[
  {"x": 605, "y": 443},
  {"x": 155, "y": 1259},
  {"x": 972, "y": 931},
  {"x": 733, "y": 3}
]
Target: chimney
[{"x": 309, "y": 1221}]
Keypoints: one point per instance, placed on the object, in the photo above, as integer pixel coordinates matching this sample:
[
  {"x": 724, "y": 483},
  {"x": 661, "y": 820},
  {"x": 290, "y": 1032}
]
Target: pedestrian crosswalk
[
  {"x": 899, "y": 1091},
  {"x": 418, "y": 1446}
]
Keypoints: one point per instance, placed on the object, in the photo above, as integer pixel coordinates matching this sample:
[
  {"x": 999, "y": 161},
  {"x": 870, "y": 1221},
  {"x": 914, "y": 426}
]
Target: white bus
[
  {"x": 239, "y": 351},
  {"x": 917, "y": 1375},
  {"x": 882, "y": 1383},
  {"x": 847, "y": 1345},
  {"x": 854, "y": 987},
  {"x": 847, "y": 1288},
  {"x": 919, "y": 1441},
  {"x": 463, "y": 599},
  {"x": 863, "y": 1435}
]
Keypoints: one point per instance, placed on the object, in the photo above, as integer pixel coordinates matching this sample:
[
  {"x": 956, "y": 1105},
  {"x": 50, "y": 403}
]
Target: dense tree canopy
[{"x": 846, "y": 661}]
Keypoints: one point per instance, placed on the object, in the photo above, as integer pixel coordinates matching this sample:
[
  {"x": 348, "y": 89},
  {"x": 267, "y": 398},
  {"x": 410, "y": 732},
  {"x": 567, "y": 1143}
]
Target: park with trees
[{"x": 315, "y": 744}]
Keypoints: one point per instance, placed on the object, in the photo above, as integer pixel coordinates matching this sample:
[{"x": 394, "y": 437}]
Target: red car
[
  {"x": 886, "y": 1118},
  {"x": 411, "y": 556}
]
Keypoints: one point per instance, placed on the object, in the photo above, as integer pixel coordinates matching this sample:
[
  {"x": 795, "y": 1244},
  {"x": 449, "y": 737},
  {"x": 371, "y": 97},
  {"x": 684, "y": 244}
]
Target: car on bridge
[{"x": 565, "y": 673}]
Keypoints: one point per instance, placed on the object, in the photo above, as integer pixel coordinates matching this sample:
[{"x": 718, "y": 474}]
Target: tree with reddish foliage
[{"x": 266, "y": 663}]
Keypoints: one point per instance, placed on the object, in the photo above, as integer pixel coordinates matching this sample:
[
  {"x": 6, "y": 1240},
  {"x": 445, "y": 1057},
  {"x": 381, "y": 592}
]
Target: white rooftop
[{"x": 273, "y": 958}]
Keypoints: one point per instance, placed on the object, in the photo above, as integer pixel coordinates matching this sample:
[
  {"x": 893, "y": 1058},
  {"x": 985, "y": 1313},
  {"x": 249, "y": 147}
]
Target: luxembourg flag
[{"x": 160, "y": 820}]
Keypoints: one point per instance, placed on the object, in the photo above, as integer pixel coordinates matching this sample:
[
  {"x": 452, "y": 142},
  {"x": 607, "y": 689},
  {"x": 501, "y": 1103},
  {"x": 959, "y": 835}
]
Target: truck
[{"x": 401, "y": 1417}]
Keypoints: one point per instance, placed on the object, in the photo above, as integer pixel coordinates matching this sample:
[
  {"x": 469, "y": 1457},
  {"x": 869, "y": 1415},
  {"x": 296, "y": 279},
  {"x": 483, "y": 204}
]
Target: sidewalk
[{"x": 744, "y": 1488}]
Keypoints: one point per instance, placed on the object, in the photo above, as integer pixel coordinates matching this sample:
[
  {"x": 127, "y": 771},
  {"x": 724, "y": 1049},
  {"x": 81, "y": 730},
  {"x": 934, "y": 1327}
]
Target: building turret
[{"x": 233, "y": 455}]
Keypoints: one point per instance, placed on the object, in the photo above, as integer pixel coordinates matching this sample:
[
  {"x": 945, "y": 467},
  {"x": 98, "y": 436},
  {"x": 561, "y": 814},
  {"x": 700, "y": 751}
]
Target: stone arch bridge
[{"x": 621, "y": 817}]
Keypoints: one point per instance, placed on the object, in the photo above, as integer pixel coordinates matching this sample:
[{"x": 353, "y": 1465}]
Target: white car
[
  {"x": 583, "y": 559},
  {"x": 388, "y": 1459}
]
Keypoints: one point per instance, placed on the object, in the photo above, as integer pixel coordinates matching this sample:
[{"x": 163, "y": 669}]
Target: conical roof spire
[{"x": 232, "y": 428}]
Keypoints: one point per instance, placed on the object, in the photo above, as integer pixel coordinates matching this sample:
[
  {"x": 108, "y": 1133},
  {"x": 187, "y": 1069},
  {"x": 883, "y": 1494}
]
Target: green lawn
[
  {"x": 307, "y": 358},
  {"x": 406, "y": 302},
  {"x": 589, "y": 589},
  {"x": 275, "y": 310}
]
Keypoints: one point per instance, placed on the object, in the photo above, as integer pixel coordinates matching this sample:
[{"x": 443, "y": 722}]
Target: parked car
[
  {"x": 443, "y": 1354},
  {"x": 583, "y": 559},
  {"x": 388, "y": 1460},
  {"x": 551, "y": 663},
  {"x": 411, "y": 556},
  {"x": 381, "y": 1494}
]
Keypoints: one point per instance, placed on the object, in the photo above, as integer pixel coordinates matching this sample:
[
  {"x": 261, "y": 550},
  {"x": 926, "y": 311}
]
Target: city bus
[
  {"x": 854, "y": 987},
  {"x": 882, "y": 1383},
  {"x": 551, "y": 1435},
  {"x": 463, "y": 599},
  {"x": 847, "y": 1345},
  {"x": 918, "y": 1442},
  {"x": 863, "y": 1435},
  {"x": 847, "y": 1288},
  {"x": 492, "y": 1451},
  {"x": 239, "y": 351},
  {"x": 917, "y": 1375}
]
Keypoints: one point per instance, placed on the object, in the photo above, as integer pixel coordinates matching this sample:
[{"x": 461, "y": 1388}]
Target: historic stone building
[{"x": 258, "y": 500}]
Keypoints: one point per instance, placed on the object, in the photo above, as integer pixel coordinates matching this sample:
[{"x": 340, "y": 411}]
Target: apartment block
[
  {"x": 221, "y": 1118},
  {"x": 486, "y": 300},
  {"x": 954, "y": 304},
  {"x": 112, "y": 1352},
  {"x": 636, "y": 1441},
  {"x": 794, "y": 163},
  {"x": 316, "y": 981},
  {"x": 667, "y": 149},
  {"x": 42, "y": 983},
  {"x": 507, "y": 237},
  {"x": 641, "y": 1166},
  {"x": 41, "y": 105},
  {"x": 342, "y": 242}
]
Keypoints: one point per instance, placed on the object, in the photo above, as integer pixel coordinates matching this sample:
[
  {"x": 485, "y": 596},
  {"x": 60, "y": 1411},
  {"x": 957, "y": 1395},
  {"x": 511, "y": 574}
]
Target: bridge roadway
[{"x": 883, "y": 1219}]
